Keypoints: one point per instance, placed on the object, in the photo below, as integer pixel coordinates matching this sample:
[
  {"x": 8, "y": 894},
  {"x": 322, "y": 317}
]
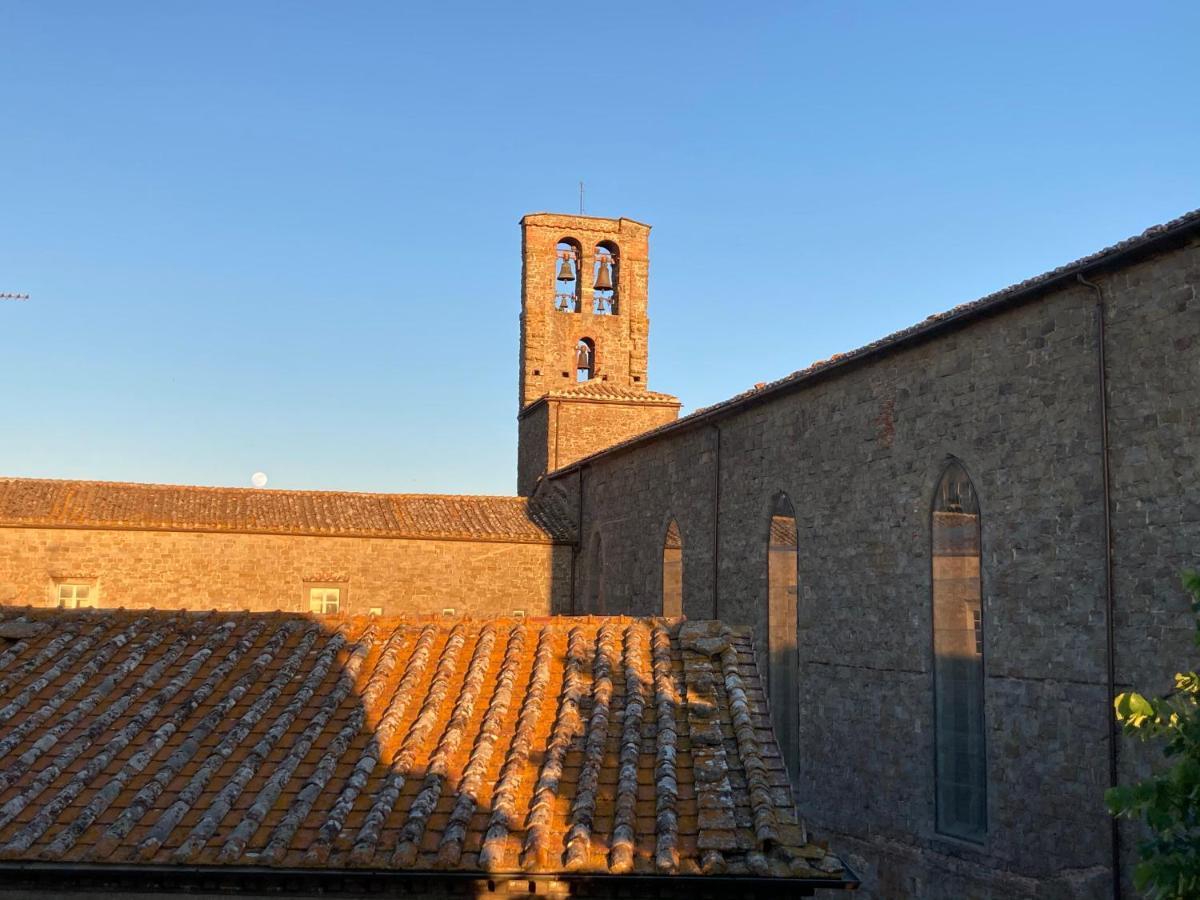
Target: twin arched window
[
  {"x": 961, "y": 768},
  {"x": 569, "y": 275}
]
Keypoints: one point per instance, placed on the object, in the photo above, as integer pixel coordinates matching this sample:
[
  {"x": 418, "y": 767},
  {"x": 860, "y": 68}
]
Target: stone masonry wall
[
  {"x": 534, "y": 450},
  {"x": 1014, "y": 397},
  {"x": 167, "y": 570},
  {"x": 548, "y": 336}
]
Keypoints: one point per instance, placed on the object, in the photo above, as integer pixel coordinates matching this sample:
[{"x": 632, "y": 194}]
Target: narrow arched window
[
  {"x": 672, "y": 572},
  {"x": 567, "y": 277},
  {"x": 782, "y": 651},
  {"x": 958, "y": 657},
  {"x": 606, "y": 279},
  {"x": 595, "y": 577},
  {"x": 585, "y": 359}
]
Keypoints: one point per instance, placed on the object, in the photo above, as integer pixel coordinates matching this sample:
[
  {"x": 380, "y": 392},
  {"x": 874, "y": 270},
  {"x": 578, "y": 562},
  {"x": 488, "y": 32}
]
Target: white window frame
[
  {"x": 66, "y": 593},
  {"x": 320, "y": 605}
]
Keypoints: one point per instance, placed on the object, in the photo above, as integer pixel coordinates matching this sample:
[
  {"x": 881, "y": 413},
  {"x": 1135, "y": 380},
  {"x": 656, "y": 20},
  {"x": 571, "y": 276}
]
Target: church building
[{"x": 936, "y": 560}]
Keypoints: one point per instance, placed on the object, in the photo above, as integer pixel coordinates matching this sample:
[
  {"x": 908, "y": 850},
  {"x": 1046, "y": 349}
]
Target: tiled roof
[
  {"x": 589, "y": 746},
  {"x": 104, "y": 504},
  {"x": 602, "y": 390},
  {"x": 1146, "y": 242}
]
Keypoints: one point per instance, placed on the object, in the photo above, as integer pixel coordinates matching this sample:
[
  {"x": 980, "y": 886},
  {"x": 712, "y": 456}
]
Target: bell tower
[{"x": 584, "y": 331}]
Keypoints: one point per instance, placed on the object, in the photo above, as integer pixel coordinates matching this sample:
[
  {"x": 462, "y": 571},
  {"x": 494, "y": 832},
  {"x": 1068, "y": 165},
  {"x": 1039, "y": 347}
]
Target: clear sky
[{"x": 283, "y": 236}]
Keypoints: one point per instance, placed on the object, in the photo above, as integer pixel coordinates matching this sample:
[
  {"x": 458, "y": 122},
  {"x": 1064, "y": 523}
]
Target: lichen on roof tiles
[{"x": 269, "y": 740}]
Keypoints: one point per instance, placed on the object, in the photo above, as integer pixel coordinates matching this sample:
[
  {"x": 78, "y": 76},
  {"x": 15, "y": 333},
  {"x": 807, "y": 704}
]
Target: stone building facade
[
  {"x": 1072, "y": 402},
  {"x": 170, "y": 546},
  {"x": 956, "y": 740}
]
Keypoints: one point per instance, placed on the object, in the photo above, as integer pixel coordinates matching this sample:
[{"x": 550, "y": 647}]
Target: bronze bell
[
  {"x": 583, "y": 357},
  {"x": 567, "y": 272},
  {"x": 604, "y": 276}
]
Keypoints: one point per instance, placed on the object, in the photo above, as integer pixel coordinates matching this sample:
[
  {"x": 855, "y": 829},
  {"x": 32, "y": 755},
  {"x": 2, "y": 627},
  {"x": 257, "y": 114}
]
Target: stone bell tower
[{"x": 584, "y": 329}]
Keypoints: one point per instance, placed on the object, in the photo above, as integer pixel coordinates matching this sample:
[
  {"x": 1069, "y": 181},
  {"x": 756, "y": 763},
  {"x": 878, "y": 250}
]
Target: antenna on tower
[{"x": 581, "y": 198}]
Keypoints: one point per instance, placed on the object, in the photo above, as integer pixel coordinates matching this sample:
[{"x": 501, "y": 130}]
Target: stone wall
[
  {"x": 548, "y": 336},
  {"x": 1013, "y": 396},
  {"x": 196, "y": 570},
  {"x": 556, "y": 433}
]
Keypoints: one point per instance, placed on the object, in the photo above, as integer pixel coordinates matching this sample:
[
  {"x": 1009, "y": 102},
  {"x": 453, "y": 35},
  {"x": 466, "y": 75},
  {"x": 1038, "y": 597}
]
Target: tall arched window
[
  {"x": 672, "y": 572},
  {"x": 585, "y": 359},
  {"x": 958, "y": 657},
  {"x": 782, "y": 660},
  {"x": 606, "y": 280},
  {"x": 567, "y": 277},
  {"x": 595, "y": 577}
]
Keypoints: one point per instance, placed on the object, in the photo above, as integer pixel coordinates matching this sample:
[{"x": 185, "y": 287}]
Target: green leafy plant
[{"x": 1169, "y": 802}]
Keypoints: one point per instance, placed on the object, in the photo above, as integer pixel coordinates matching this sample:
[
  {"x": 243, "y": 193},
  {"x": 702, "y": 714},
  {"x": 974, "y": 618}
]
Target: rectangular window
[
  {"x": 375, "y": 611},
  {"x": 76, "y": 595},
  {"x": 324, "y": 600}
]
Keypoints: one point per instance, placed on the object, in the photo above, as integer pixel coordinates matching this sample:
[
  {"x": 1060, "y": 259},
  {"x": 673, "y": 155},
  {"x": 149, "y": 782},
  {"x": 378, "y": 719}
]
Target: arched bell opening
[
  {"x": 606, "y": 279},
  {"x": 585, "y": 359},
  {"x": 567, "y": 277}
]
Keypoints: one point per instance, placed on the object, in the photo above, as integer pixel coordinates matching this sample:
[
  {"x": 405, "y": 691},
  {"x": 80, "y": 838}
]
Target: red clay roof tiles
[
  {"x": 101, "y": 504},
  {"x": 602, "y": 390},
  {"x": 499, "y": 746}
]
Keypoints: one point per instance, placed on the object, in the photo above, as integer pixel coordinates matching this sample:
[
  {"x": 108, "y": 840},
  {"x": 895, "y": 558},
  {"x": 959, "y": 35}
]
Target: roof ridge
[{"x": 325, "y": 492}]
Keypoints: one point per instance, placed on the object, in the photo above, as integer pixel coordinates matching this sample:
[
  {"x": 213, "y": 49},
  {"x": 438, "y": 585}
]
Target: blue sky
[{"x": 283, "y": 236}]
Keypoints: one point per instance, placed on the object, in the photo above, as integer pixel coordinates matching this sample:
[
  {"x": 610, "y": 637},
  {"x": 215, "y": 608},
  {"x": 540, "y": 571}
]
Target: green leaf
[{"x": 1167, "y": 803}]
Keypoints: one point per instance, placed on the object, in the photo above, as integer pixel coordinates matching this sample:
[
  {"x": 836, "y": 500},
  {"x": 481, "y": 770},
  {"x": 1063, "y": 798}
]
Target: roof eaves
[{"x": 311, "y": 880}]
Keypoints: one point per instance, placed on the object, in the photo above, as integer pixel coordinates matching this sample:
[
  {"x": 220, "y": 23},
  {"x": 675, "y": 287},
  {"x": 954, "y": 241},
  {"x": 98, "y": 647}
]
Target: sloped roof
[
  {"x": 599, "y": 390},
  {"x": 602, "y": 390},
  {"x": 610, "y": 746},
  {"x": 1150, "y": 241},
  {"x": 105, "y": 504}
]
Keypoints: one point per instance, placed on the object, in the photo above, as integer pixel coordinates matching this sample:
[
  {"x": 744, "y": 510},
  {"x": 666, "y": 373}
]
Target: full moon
[{"x": 259, "y": 479}]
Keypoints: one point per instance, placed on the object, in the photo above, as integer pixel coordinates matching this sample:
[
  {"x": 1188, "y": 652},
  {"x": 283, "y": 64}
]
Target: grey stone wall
[{"x": 1015, "y": 398}]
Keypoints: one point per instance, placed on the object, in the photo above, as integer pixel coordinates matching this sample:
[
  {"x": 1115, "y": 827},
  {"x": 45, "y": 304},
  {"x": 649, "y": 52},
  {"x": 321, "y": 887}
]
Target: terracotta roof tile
[
  {"x": 602, "y": 390},
  {"x": 103, "y": 504},
  {"x": 500, "y": 746}
]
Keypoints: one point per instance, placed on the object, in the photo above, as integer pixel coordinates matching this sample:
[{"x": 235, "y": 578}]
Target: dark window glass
[
  {"x": 958, "y": 659},
  {"x": 672, "y": 574},
  {"x": 783, "y": 663}
]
